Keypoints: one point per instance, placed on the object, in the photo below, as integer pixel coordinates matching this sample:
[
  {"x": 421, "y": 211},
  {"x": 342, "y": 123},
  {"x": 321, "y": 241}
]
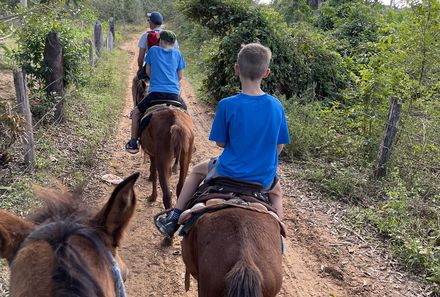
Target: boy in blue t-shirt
[
  {"x": 165, "y": 66},
  {"x": 252, "y": 129}
]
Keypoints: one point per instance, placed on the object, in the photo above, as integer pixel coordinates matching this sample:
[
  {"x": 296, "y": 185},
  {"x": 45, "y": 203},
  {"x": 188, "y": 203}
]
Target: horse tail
[
  {"x": 244, "y": 280},
  {"x": 179, "y": 141}
]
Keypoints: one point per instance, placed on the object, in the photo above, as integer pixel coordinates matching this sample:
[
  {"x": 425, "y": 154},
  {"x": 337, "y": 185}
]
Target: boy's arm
[
  {"x": 280, "y": 148},
  {"x": 148, "y": 70},
  {"x": 180, "y": 77},
  {"x": 141, "y": 57}
]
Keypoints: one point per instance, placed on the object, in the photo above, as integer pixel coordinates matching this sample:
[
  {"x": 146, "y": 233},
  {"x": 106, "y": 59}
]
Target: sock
[
  {"x": 175, "y": 214},
  {"x": 133, "y": 142}
]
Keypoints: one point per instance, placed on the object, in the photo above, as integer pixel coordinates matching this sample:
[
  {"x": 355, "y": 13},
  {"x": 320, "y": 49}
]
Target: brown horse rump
[
  {"x": 145, "y": 120},
  {"x": 217, "y": 201}
]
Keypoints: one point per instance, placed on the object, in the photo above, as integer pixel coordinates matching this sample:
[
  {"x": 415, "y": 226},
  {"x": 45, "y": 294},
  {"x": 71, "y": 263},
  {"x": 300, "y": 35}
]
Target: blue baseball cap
[{"x": 155, "y": 17}]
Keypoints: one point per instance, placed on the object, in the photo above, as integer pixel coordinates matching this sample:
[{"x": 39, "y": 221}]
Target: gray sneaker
[{"x": 166, "y": 225}]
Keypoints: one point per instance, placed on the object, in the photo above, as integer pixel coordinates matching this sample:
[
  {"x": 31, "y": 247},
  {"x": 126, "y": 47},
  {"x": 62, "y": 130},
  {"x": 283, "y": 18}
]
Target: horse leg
[
  {"x": 174, "y": 169},
  {"x": 153, "y": 179},
  {"x": 163, "y": 168},
  {"x": 185, "y": 158}
]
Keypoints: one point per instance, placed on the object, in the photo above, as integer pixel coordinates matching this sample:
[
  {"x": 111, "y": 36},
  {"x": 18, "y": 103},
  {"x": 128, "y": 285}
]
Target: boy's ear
[
  {"x": 266, "y": 73},
  {"x": 237, "y": 69}
]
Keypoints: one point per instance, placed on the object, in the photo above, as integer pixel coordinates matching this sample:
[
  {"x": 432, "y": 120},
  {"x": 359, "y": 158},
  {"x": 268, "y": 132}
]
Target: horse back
[
  {"x": 166, "y": 127},
  {"x": 235, "y": 241}
]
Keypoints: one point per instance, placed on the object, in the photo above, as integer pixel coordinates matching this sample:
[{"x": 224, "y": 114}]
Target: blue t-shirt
[
  {"x": 251, "y": 128},
  {"x": 164, "y": 65}
]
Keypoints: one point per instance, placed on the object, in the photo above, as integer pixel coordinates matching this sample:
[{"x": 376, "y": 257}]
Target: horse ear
[
  {"x": 115, "y": 215},
  {"x": 13, "y": 230}
]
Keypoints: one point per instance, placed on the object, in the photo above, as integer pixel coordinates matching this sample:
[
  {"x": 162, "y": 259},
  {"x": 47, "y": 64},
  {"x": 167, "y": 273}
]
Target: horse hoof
[
  {"x": 167, "y": 241},
  {"x": 151, "y": 198}
]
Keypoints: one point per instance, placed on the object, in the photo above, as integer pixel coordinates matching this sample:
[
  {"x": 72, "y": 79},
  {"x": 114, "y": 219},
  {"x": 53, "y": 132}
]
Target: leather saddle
[{"x": 229, "y": 188}]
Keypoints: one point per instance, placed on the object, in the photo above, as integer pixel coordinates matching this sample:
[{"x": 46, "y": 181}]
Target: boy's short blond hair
[{"x": 253, "y": 60}]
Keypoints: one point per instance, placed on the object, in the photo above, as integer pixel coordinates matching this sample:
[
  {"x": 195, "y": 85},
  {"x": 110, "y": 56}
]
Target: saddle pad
[
  {"x": 145, "y": 120},
  {"x": 189, "y": 216}
]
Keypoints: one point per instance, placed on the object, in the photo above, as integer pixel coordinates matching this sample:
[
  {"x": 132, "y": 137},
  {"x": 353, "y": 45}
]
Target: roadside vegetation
[
  {"x": 93, "y": 100},
  {"x": 66, "y": 153}
]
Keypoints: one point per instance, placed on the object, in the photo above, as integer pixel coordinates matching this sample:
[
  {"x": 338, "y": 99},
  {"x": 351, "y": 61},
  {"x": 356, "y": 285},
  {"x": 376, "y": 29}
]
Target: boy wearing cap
[
  {"x": 164, "y": 66},
  {"x": 251, "y": 127}
]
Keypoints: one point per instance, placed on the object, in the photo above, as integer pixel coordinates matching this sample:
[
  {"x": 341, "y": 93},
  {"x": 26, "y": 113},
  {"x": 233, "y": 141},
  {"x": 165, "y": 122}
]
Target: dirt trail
[{"x": 322, "y": 258}]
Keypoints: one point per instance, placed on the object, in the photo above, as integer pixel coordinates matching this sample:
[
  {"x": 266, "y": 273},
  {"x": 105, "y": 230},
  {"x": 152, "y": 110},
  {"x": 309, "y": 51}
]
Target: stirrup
[{"x": 162, "y": 214}]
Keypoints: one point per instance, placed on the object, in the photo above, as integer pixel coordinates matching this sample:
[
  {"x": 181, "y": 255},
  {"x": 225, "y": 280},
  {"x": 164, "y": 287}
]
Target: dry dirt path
[{"x": 322, "y": 258}]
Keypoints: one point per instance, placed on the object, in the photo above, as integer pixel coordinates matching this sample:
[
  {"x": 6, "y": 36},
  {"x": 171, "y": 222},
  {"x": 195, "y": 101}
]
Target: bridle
[{"x": 39, "y": 232}]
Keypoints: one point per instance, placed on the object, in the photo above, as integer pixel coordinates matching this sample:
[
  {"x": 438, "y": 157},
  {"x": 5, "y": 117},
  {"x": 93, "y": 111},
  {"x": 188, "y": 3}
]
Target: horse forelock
[
  {"x": 64, "y": 225},
  {"x": 59, "y": 207},
  {"x": 70, "y": 241}
]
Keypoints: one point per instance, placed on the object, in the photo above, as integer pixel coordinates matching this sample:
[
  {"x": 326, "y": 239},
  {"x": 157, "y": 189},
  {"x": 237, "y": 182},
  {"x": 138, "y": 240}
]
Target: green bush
[
  {"x": 302, "y": 64},
  {"x": 31, "y": 41},
  {"x": 353, "y": 23},
  {"x": 130, "y": 11}
]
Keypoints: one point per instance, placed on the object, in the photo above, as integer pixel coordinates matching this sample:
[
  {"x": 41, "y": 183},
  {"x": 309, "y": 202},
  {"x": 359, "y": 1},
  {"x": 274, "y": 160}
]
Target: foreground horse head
[
  {"x": 169, "y": 136},
  {"x": 235, "y": 252},
  {"x": 63, "y": 250}
]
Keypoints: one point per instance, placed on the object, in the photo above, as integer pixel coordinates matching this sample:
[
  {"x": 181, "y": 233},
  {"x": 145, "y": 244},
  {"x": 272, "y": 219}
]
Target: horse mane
[{"x": 63, "y": 217}]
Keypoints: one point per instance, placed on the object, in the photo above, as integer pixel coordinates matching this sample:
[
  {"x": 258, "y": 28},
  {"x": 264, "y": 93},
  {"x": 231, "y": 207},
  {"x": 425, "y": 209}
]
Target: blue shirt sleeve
[
  {"x": 283, "y": 135},
  {"x": 219, "y": 130}
]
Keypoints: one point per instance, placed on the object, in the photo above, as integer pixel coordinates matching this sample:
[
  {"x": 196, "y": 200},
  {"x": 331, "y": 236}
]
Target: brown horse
[
  {"x": 64, "y": 250},
  {"x": 168, "y": 136},
  {"x": 234, "y": 252},
  {"x": 138, "y": 90}
]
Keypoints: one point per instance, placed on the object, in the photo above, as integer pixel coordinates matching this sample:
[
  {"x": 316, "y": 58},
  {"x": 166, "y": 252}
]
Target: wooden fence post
[
  {"x": 91, "y": 53},
  {"x": 388, "y": 140},
  {"x": 98, "y": 37},
  {"x": 109, "y": 41},
  {"x": 53, "y": 59},
  {"x": 111, "y": 26},
  {"x": 23, "y": 102}
]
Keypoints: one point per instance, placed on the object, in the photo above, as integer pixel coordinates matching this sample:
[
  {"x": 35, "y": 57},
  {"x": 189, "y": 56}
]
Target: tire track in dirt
[{"x": 158, "y": 270}]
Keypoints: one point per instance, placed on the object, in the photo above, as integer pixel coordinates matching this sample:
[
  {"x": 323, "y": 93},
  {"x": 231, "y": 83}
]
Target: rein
[{"x": 40, "y": 231}]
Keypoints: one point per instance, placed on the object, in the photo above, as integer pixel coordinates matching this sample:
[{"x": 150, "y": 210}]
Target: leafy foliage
[
  {"x": 296, "y": 53},
  {"x": 294, "y": 11},
  {"x": 130, "y": 11},
  {"x": 31, "y": 41}
]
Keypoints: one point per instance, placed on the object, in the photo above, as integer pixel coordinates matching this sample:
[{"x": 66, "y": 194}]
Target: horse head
[{"x": 64, "y": 249}]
